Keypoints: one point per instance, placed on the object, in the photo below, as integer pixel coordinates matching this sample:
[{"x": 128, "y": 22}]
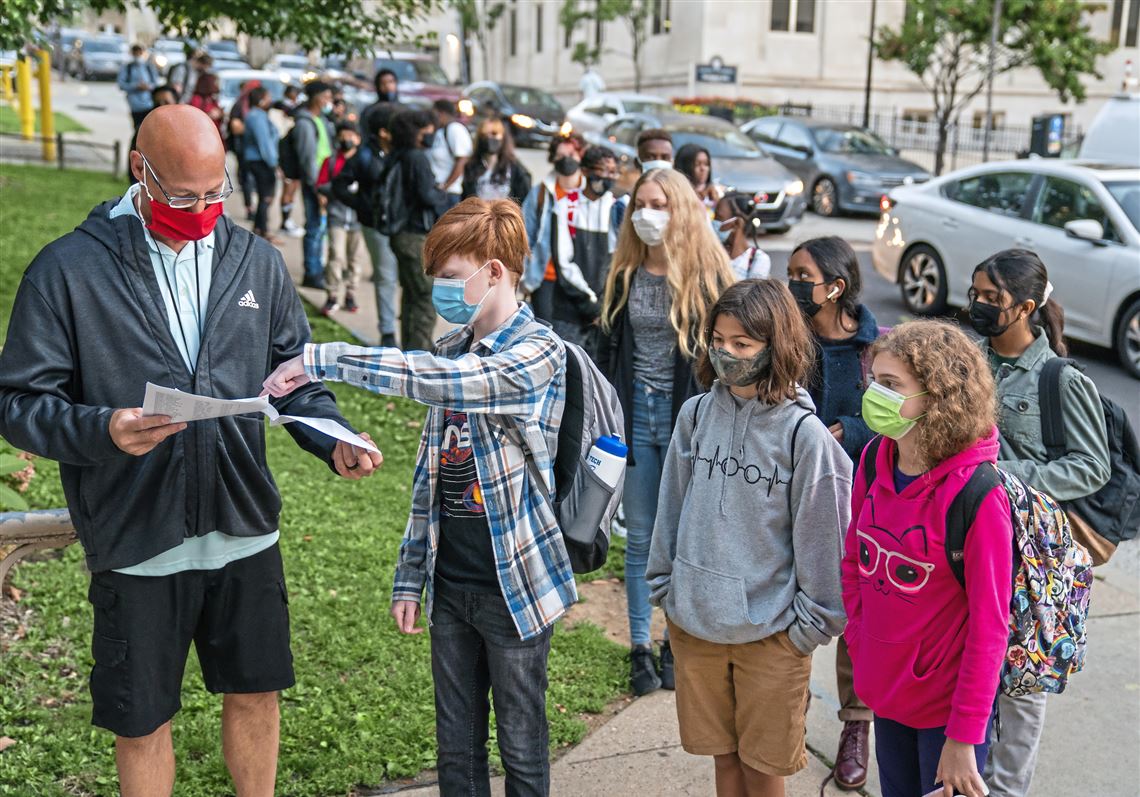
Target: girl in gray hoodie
[{"x": 754, "y": 500}]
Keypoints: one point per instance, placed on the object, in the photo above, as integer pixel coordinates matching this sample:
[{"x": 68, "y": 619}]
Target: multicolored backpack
[{"x": 1052, "y": 579}]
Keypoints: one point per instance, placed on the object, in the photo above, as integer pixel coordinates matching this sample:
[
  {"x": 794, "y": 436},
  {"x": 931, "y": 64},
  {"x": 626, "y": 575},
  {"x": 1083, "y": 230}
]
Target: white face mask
[
  {"x": 647, "y": 166},
  {"x": 650, "y": 224}
]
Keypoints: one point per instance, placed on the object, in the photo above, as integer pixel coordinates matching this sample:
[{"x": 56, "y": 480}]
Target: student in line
[
  {"x": 694, "y": 161},
  {"x": 667, "y": 272},
  {"x": 733, "y": 222},
  {"x": 1022, "y": 327},
  {"x": 482, "y": 551},
  {"x": 495, "y": 171},
  {"x": 755, "y": 499},
  {"x": 347, "y": 250},
  {"x": 823, "y": 275},
  {"x": 926, "y": 652}
]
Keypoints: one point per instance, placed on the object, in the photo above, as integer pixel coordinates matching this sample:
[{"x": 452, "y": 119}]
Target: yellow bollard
[
  {"x": 47, "y": 120},
  {"x": 24, "y": 87}
]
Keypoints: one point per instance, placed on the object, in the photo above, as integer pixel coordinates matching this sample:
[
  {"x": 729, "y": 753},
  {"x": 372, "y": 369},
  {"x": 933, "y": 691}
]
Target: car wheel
[
  {"x": 922, "y": 278},
  {"x": 1128, "y": 339},
  {"x": 825, "y": 197}
]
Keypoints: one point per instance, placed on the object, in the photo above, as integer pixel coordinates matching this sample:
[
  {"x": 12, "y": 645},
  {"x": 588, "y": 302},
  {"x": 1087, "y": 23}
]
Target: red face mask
[{"x": 182, "y": 225}]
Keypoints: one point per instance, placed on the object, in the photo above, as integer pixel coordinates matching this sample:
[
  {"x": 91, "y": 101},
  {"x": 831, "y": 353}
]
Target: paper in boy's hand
[{"x": 182, "y": 406}]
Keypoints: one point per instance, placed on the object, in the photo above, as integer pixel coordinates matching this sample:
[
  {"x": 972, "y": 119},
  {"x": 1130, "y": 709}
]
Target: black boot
[
  {"x": 666, "y": 668},
  {"x": 643, "y": 671}
]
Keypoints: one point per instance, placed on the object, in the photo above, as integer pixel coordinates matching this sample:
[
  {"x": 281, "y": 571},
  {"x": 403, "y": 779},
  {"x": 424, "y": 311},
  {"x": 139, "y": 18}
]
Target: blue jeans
[
  {"x": 652, "y": 429},
  {"x": 475, "y": 647},
  {"x": 908, "y": 757},
  {"x": 384, "y": 276},
  {"x": 314, "y": 235}
]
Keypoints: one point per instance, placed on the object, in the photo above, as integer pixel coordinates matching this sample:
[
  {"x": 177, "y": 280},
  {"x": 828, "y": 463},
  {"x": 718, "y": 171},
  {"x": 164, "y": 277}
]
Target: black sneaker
[
  {"x": 665, "y": 670},
  {"x": 313, "y": 282},
  {"x": 643, "y": 671},
  {"x": 350, "y": 305},
  {"x": 388, "y": 340},
  {"x": 330, "y": 307}
]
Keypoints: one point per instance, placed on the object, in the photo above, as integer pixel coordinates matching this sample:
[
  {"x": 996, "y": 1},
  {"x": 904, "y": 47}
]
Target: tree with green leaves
[
  {"x": 348, "y": 26},
  {"x": 634, "y": 14},
  {"x": 479, "y": 17},
  {"x": 946, "y": 43}
]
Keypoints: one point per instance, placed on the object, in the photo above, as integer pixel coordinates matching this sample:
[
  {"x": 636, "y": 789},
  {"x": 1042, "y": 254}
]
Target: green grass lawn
[
  {"x": 10, "y": 122},
  {"x": 362, "y": 710}
]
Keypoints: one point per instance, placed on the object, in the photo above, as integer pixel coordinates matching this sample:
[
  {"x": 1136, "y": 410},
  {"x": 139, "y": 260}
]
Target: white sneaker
[{"x": 291, "y": 229}]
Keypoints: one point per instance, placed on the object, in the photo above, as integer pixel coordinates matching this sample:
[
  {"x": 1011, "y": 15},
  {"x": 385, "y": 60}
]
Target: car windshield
[
  {"x": 726, "y": 142},
  {"x": 168, "y": 46},
  {"x": 231, "y": 87},
  {"x": 1127, "y": 195},
  {"x": 297, "y": 61},
  {"x": 96, "y": 46},
  {"x": 643, "y": 106},
  {"x": 414, "y": 71},
  {"x": 223, "y": 48},
  {"x": 850, "y": 140},
  {"x": 532, "y": 97}
]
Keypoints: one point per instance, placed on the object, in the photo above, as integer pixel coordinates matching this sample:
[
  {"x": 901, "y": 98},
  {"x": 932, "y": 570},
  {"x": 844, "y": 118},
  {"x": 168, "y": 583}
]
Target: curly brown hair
[
  {"x": 767, "y": 311},
  {"x": 960, "y": 399}
]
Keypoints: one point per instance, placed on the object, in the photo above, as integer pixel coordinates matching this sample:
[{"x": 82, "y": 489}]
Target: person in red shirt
[
  {"x": 346, "y": 241},
  {"x": 206, "y": 99}
]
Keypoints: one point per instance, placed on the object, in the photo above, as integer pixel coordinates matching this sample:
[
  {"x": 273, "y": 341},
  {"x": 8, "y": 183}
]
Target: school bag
[
  {"x": 389, "y": 206},
  {"x": 1052, "y": 578},
  {"x": 287, "y": 158},
  {"x": 1112, "y": 513},
  {"x": 583, "y": 504}
]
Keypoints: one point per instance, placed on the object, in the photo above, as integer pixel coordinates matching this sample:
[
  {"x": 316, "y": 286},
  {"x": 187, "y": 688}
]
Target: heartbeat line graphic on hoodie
[{"x": 731, "y": 467}]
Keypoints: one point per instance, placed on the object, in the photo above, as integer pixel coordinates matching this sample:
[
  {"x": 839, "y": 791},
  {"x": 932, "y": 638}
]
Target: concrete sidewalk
[{"x": 1091, "y": 744}]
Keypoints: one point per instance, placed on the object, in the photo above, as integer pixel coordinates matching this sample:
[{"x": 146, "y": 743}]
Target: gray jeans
[
  {"x": 384, "y": 278},
  {"x": 1014, "y": 741}
]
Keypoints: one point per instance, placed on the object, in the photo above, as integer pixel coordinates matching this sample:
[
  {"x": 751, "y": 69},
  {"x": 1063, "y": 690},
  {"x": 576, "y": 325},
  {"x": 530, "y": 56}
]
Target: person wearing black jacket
[
  {"x": 179, "y": 522},
  {"x": 412, "y": 133},
  {"x": 495, "y": 172}
]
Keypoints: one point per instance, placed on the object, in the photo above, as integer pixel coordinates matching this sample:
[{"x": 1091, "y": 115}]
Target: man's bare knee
[
  {"x": 250, "y": 702},
  {"x": 151, "y": 744}
]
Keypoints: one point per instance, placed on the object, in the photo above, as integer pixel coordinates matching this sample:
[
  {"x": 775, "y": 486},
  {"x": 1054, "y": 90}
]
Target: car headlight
[
  {"x": 309, "y": 76},
  {"x": 566, "y": 129},
  {"x": 466, "y": 107},
  {"x": 795, "y": 188},
  {"x": 522, "y": 120},
  {"x": 862, "y": 179},
  {"x": 160, "y": 61}
]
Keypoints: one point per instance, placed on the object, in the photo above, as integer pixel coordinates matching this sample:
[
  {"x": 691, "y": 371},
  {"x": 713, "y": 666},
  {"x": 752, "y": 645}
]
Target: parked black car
[
  {"x": 846, "y": 168},
  {"x": 533, "y": 114}
]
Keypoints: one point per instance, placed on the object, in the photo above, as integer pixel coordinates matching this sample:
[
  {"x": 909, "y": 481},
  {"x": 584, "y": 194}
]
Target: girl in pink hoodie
[{"x": 927, "y": 653}]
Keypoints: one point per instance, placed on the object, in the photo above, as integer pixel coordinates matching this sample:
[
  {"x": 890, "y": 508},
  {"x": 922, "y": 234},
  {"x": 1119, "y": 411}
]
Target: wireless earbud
[{"x": 833, "y": 293}]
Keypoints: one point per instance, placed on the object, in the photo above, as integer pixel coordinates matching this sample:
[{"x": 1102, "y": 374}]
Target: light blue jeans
[
  {"x": 652, "y": 429},
  {"x": 383, "y": 277}
]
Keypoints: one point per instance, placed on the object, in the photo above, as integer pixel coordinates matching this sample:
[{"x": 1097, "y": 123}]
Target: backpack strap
[
  {"x": 1049, "y": 397},
  {"x": 961, "y": 513},
  {"x": 871, "y": 461},
  {"x": 795, "y": 431}
]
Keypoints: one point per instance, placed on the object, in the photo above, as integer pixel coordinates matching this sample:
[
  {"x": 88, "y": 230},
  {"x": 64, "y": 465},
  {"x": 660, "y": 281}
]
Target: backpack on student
[
  {"x": 1111, "y": 515},
  {"x": 583, "y": 504},
  {"x": 287, "y": 157},
  {"x": 1052, "y": 578},
  {"x": 389, "y": 206}
]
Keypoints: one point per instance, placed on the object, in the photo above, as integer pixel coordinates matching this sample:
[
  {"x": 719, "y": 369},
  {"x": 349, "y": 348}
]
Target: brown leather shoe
[{"x": 851, "y": 760}]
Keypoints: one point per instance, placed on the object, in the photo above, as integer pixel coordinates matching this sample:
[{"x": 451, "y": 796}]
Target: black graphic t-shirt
[{"x": 465, "y": 557}]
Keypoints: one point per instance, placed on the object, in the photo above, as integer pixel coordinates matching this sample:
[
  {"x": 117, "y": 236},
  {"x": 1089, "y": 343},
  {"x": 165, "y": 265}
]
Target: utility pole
[
  {"x": 990, "y": 82},
  {"x": 870, "y": 64}
]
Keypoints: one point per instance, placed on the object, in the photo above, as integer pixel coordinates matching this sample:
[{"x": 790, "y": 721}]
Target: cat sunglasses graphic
[{"x": 906, "y": 574}]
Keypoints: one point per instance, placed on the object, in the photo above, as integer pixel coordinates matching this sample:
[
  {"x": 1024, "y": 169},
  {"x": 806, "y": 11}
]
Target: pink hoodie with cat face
[{"x": 925, "y": 651}]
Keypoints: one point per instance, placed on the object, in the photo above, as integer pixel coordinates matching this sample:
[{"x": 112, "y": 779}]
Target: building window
[
  {"x": 538, "y": 27},
  {"x": 513, "y": 26},
  {"x": 1117, "y": 16},
  {"x": 662, "y": 16},
  {"x": 802, "y": 11},
  {"x": 979, "y": 120},
  {"x": 1133, "y": 19}
]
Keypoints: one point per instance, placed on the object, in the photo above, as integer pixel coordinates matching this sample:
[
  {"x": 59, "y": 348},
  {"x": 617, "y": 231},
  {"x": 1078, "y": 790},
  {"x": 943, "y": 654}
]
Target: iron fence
[{"x": 70, "y": 152}]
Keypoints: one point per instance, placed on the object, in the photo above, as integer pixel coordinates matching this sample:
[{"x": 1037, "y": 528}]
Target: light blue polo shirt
[{"x": 174, "y": 271}]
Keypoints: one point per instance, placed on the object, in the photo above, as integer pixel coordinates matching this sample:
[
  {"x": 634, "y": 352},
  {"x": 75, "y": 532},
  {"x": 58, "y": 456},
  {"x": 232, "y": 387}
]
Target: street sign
[{"x": 715, "y": 72}]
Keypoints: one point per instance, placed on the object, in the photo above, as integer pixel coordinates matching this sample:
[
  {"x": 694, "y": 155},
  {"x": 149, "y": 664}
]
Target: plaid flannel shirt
[{"x": 507, "y": 379}]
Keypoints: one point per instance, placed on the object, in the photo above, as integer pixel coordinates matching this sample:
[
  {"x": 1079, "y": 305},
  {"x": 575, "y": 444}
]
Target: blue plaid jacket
[{"x": 507, "y": 379}]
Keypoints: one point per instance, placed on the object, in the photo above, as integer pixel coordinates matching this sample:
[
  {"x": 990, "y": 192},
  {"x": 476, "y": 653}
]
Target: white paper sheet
[{"x": 188, "y": 407}]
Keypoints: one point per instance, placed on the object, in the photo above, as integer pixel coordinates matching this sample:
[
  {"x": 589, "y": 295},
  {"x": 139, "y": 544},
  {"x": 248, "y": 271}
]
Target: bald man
[{"x": 179, "y": 522}]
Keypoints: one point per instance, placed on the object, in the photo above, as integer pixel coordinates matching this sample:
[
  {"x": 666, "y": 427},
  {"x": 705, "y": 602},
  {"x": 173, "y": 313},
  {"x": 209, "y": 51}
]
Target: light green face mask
[{"x": 882, "y": 411}]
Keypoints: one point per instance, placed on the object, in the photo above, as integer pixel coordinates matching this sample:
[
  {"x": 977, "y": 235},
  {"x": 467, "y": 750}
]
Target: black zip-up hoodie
[{"x": 89, "y": 330}]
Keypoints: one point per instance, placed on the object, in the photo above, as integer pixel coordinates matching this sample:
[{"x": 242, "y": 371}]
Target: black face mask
[
  {"x": 566, "y": 165},
  {"x": 344, "y": 146},
  {"x": 387, "y": 96},
  {"x": 426, "y": 140},
  {"x": 492, "y": 146},
  {"x": 600, "y": 185},
  {"x": 801, "y": 292},
  {"x": 986, "y": 319}
]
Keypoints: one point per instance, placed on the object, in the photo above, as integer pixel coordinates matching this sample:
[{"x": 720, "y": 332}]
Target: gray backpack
[{"x": 584, "y": 505}]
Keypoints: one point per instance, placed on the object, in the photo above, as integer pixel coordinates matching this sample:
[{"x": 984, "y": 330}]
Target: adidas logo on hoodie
[{"x": 248, "y": 301}]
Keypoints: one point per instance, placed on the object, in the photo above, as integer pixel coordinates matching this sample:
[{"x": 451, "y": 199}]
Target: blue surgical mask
[
  {"x": 648, "y": 166},
  {"x": 450, "y": 302},
  {"x": 724, "y": 235}
]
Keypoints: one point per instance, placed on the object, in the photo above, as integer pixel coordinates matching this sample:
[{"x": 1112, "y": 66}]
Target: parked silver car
[
  {"x": 1081, "y": 218},
  {"x": 592, "y": 114},
  {"x": 98, "y": 57}
]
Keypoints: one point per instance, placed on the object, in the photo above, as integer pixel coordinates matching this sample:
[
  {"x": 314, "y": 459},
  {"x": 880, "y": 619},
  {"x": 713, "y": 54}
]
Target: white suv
[{"x": 1081, "y": 218}]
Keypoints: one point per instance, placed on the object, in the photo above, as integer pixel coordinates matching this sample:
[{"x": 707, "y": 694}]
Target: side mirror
[
  {"x": 805, "y": 150},
  {"x": 1086, "y": 230}
]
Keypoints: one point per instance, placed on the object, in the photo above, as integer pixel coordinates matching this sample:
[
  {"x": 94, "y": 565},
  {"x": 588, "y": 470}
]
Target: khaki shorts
[{"x": 748, "y": 699}]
